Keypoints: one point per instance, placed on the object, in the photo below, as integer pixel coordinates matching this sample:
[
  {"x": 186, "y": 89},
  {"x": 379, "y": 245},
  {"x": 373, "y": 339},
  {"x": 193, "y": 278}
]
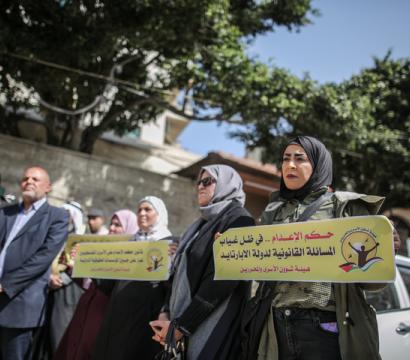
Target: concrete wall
[
  {"x": 95, "y": 181},
  {"x": 131, "y": 152}
]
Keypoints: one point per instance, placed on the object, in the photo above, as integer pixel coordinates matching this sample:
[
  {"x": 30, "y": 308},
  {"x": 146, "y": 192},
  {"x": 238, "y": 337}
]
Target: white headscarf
[
  {"x": 159, "y": 230},
  {"x": 76, "y": 214}
]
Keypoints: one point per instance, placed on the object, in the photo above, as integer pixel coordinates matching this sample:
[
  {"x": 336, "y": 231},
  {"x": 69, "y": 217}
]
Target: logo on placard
[
  {"x": 154, "y": 260},
  {"x": 359, "y": 249}
]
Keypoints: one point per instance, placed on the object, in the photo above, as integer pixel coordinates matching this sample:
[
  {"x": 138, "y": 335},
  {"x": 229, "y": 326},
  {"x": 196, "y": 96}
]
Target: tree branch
[
  {"x": 167, "y": 106},
  {"x": 91, "y": 133},
  {"x": 77, "y": 112}
]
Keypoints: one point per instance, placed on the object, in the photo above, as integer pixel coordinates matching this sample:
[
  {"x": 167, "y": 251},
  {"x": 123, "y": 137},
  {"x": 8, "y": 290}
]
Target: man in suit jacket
[{"x": 31, "y": 235}]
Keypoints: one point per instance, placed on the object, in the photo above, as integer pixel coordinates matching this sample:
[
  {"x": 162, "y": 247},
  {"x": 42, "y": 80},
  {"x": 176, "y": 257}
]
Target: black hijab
[{"x": 321, "y": 161}]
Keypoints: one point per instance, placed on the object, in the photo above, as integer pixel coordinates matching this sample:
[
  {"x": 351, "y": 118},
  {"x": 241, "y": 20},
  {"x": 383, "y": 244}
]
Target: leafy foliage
[
  {"x": 364, "y": 121},
  {"x": 97, "y": 65}
]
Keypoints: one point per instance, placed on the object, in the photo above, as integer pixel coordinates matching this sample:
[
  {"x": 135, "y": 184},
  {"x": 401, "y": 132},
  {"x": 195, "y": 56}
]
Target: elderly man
[{"x": 31, "y": 235}]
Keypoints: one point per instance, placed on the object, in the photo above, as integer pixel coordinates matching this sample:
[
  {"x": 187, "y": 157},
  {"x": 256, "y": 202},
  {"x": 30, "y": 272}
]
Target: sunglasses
[{"x": 206, "y": 181}]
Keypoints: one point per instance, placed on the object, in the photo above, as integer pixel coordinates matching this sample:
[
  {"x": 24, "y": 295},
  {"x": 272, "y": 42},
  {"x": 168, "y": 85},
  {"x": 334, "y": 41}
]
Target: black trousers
[{"x": 306, "y": 334}]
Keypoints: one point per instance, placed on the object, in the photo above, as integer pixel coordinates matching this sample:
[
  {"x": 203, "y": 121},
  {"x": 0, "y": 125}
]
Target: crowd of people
[{"x": 45, "y": 313}]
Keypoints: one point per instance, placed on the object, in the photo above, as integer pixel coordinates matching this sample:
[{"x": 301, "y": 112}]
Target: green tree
[
  {"x": 379, "y": 131},
  {"x": 95, "y": 65},
  {"x": 364, "y": 121}
]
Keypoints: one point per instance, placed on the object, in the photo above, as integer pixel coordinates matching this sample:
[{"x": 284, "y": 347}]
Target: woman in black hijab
[
  {"x": 312, "y": 320},
  {"x": 320, "y": 161}
]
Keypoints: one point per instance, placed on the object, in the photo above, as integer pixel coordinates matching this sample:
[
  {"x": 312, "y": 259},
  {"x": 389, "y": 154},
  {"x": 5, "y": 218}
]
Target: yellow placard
[
  {"x": 132, "y": 260},
  {"x": 353, "y": 249},
  {"x": 89, "y": 238}
]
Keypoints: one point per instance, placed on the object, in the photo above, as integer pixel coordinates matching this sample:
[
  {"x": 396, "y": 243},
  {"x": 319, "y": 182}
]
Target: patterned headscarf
[{"x": 76, "y": 215}]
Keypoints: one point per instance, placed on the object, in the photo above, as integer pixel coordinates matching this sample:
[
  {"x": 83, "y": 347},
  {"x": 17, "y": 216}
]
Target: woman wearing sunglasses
[{"x": 201, "y": 311}]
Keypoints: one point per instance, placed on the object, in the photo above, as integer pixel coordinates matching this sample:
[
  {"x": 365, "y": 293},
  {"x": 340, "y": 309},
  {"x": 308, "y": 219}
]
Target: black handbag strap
[
  {"x": 172, "y": 349},
  {"x": 314, "y": 206}
]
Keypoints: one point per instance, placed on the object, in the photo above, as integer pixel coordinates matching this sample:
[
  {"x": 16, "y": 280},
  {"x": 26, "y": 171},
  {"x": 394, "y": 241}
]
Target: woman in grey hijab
[{"x": 204, "y": 312}]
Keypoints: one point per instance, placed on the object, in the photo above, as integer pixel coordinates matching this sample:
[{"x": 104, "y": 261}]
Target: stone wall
[{"x": 95, "y": 181}]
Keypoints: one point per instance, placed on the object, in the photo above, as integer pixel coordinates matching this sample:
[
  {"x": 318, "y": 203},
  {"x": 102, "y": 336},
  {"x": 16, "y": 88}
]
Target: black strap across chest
[{"x": 314, "y": 206}]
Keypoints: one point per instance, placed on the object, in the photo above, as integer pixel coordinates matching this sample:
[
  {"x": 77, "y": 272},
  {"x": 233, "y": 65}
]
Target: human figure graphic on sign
[
  {"x": 156, "y": 262},
  {"x": 363, "y": 253},
  {"x": 359, "y": 248}
]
